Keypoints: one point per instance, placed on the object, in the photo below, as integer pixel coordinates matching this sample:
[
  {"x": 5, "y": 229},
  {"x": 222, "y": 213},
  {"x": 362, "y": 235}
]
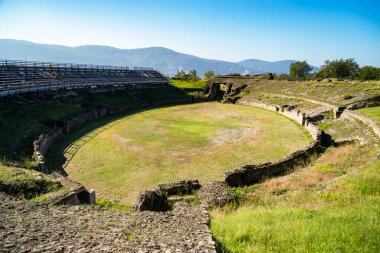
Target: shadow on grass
[{"x": 220, "y": 248}]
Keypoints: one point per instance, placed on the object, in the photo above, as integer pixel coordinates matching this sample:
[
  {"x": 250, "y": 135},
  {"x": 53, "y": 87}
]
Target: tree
[
  {"x": 181, "y": 75},
  {"x": 369, "y": 73},
  {"x": 299, "y": 70},
  {"x": 209, "y": 74},
  {"x": 193, "y": 74},
  {"x": 339, "y": 69}
]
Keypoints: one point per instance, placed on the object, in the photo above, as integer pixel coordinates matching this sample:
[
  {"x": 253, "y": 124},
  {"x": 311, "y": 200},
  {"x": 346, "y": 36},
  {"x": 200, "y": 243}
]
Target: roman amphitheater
[{"x": 112, "y": 159}]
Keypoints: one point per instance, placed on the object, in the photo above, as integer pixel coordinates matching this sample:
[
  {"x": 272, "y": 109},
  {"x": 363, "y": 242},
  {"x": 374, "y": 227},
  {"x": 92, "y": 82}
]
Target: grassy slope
[
  {"x": 331, "y": 206},
  {"x": 169, "y": 144},
  {"x": 330, "y": 92}
]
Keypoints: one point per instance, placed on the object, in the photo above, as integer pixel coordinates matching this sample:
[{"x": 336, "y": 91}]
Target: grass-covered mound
[{"x": 198, "y": 141}]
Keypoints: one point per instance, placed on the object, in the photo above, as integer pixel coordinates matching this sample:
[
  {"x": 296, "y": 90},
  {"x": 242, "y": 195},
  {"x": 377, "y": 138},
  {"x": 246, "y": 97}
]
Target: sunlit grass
[
  {"x": 311, "y": 210},
  {"x": 372, "y": 112},
  {"x": 189, "y": 84}
]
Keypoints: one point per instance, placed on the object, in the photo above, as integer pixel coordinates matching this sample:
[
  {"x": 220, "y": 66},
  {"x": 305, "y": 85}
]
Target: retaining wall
[{"x": 250, "y": 174}]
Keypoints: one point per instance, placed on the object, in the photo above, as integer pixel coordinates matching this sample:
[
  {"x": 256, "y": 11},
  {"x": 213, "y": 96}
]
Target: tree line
[
  {"x": 341, "y": 69},
  {"x": 192, "y": 75},
  {"x": 301, "y": 70}
]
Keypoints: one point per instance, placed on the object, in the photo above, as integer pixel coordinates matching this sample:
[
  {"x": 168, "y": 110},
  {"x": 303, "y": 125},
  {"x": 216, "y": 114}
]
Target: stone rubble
[
  {"x": 216, "y": 194},
  {"x": 33, "y": 227}
]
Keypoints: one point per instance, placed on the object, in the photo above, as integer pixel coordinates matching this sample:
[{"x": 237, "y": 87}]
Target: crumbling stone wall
[
  {"x": 41, "y": 146},
  {"x": 156, "y": 199},
  {"x": 76, "y": 196},
  {"x": 250, "y": 174}
]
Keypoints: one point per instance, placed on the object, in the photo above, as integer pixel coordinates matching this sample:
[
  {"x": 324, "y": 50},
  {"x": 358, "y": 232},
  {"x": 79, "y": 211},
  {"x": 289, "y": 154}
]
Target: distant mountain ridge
[{"x": 163, "y": 59}]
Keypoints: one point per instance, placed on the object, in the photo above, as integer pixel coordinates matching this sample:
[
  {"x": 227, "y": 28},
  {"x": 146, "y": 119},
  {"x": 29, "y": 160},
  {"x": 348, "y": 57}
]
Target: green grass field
[
  {"x": 333, "y": 205},
  {"x": 198, "y": 141}
]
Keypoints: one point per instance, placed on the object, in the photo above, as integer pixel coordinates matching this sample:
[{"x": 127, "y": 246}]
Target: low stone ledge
[
  {"x": 296, "y": 115},
  {"x": 77, "y": 196},
  {"x": 250, "y": 174},
  {"x": 179, "y": 188}
]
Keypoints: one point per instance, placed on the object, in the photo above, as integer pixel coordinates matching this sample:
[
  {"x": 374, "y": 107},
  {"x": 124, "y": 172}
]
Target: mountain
[{"x": 165, "y": 60}]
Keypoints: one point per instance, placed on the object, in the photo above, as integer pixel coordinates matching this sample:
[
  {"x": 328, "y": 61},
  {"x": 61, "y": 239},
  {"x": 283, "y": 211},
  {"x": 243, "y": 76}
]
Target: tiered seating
[{"x": 25, "y": 76}]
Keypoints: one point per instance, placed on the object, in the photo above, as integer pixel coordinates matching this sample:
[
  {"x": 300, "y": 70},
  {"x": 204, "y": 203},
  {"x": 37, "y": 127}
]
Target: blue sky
[{"x": 226, "y": 30}]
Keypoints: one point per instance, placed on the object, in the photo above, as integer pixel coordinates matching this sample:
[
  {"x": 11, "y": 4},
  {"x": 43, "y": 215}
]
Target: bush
[
  {"x": 348, "y": 96},
  {"x": 209, "y": 74},
  {"x": 183, "y": 75},
  {"x": 369, "y": 73}
]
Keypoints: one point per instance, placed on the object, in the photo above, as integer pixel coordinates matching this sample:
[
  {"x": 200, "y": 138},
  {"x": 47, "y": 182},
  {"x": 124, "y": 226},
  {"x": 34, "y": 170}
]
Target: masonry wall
[{"x": 250, "y": 174}]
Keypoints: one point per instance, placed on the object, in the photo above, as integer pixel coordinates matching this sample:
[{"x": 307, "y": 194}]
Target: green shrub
[{"x": 348, "y": 96}]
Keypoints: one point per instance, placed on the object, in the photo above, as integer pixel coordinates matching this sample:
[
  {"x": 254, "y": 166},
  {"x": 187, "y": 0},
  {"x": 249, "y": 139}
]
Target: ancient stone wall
[
  {"x": 250, "y": 174},
  {"x": 156, "y": 199},
  {"x": 41, "y": 146}
]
